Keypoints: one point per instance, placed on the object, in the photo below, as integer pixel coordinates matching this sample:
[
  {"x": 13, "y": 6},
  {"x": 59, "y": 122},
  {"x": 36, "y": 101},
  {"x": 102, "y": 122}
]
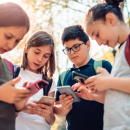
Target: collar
[
  {"x": 90, "y": 63},
  {"x": 121, "y": 44},
  {"x": 124, "y": 41}
]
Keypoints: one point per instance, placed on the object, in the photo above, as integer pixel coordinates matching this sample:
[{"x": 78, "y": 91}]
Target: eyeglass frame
[{"x": 71, "y": 48}]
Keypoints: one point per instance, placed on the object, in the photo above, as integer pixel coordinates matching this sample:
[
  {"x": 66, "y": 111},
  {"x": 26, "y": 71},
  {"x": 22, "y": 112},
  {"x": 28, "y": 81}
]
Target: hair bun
[{"x": 114, "y": 2}]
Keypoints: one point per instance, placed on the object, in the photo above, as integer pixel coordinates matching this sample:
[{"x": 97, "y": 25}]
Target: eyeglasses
[{"x": 75, "y": 48}]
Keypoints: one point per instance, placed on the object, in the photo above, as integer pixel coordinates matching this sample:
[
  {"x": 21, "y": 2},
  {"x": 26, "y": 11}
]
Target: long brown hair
[{"x": 41, "y": 38}]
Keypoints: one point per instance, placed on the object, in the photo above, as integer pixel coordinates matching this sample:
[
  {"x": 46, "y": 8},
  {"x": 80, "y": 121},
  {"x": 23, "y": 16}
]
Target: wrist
[
  {"x": 68, "y": 109},
  {"x": 16, "y": 109},
  {"x": 109, "y": 81},
  {"x": 1, "y": 93}
]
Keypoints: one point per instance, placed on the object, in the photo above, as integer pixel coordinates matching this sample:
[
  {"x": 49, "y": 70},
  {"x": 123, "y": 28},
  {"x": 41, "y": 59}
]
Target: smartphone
[
  {"x": 68, "y": 91},
  {"x": 79, "y": 77},
  {"x": 36, "y": 86},
  {"x": 47, "y": 100}
]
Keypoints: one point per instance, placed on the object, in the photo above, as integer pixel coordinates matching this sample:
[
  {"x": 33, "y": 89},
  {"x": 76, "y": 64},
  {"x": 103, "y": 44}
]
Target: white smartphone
[
  {"x": 47, "y": 100},
  {"x": 68, "y": 91}
]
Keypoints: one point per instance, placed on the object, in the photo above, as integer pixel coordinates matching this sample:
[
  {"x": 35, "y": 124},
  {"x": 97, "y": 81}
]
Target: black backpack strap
[
  {"x": 46, "y": 89},
  {"x": 16, "y": 70}
]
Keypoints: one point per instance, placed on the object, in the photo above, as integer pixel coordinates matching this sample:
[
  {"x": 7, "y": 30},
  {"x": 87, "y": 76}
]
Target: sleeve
[
  {"x": 107, "y": 65},
  {"x": 53, "y": 87},
  {"x": 57, "y": 92}
]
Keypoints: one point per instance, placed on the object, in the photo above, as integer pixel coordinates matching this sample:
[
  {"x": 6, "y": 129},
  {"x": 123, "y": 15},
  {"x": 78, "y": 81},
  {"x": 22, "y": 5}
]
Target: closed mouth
[
  {"x": 5, "y": 50},
  {"x": 74, "y": 57}
]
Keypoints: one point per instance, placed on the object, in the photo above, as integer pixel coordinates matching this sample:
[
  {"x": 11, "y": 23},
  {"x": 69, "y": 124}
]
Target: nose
[
  {"x": 98, "y": 41},
  {"x": 11, "y": 44},
  {"x": 40, "y": 58},
  {"x": 72, "y": 51}
]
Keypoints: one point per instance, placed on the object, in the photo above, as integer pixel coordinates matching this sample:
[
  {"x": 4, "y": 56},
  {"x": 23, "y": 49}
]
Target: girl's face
[
  {"x": 10, "y": 37},
  {"x": 37, "y": 57},
  {"x": 104, "y": 33}
]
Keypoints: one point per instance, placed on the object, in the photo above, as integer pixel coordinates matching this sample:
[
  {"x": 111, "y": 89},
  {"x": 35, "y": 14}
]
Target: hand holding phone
[
  {"x": 36, "y": 86},
  {"x": 79, "y": 77},
  {"x": 68, "y": 91},
  {"x": 47, "y": 100}
]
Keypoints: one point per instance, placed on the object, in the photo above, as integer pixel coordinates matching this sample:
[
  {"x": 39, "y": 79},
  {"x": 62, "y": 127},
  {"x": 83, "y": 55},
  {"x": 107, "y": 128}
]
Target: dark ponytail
[
  {"x": 99, "y": 11},
  {"x": 114, "y": 2}
]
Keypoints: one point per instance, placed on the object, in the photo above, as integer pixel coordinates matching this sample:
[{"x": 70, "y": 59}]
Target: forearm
[
  {"x": 60, "y": 111},
  {"x": 100, "y": 97},
  {"x": 121, "y": 84},
  {"x": 50, "y": 119}
]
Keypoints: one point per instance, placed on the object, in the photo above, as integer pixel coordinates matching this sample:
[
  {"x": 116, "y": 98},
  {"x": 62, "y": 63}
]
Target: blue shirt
[{"x": 85, "y": 115}]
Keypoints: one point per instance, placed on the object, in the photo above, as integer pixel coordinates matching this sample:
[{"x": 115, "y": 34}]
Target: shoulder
[
  {"x": 53, "y": 86},
  {"x": 64, "y": 72},
  {"x": 107, "y": 65}
]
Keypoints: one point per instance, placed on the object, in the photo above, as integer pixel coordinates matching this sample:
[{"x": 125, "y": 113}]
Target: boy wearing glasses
[{"x": 86, "y": 114}]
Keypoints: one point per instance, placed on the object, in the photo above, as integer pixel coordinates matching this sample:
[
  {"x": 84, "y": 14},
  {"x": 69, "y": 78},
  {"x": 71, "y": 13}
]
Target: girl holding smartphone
[{"x": 38, "y": 63}]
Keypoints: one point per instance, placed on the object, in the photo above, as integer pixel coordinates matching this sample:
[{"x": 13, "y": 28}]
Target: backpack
[
  {"x": 127, "y": 50},
  {"x": 45, "y": 90},
  {"x": 11, "y": 66},
  {"x": 95, "y": 65}
]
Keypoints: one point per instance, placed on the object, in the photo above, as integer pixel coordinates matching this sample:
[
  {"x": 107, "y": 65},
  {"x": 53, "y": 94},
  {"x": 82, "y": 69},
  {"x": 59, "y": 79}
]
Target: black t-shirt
[{"x": 85, "y": 115}]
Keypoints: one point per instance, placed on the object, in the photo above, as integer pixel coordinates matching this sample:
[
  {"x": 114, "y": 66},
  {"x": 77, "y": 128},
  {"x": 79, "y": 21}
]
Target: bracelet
[{"x": 17, "y": 110}]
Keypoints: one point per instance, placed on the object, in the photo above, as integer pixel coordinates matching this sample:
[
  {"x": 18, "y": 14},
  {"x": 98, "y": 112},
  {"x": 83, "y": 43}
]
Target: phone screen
[{"x": 47, "y": 100}]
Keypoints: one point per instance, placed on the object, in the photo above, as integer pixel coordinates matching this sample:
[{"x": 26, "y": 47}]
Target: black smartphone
[{"x": 79, "y": 77}]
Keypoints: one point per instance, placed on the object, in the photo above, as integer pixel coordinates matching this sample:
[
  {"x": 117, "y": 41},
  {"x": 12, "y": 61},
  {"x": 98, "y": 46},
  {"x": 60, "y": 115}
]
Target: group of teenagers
[{"x": 105, "y": 97}]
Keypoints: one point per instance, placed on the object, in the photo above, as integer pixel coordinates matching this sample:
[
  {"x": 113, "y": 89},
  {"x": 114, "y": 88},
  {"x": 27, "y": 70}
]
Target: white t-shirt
[
  {"x": 26, "y": 121},
  {"x": 117, "y": 103}
]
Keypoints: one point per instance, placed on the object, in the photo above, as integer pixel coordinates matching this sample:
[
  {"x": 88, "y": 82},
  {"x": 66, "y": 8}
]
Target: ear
[
  {"x": 110, "y": 19},
  {"x": 88, "y": 45},
  {"x": 25, "y": 48}
]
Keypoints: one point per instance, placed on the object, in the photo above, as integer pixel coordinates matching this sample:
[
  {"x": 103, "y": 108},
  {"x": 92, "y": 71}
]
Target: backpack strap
[
  {"x": 97, "y": 64},
  {"x": 62, "y": 76},
  {"x": 46, "y": 89},
  {"x": 16, "y": 70},
  {"x": 127, "y": 50},
  {"x": 11, "y": 66}
]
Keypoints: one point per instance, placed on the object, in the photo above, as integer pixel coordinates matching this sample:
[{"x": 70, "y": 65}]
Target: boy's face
[
  {"x": 80, "y": 57},
  {"x": 10, "y": 37}
]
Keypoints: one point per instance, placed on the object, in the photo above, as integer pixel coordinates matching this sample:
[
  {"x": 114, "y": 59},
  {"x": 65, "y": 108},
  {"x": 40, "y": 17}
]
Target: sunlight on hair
[{"x": 15, "y": 1}]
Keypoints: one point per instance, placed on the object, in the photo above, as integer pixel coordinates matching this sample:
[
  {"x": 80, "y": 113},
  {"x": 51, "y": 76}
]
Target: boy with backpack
[{"x": 85, "y": 114}]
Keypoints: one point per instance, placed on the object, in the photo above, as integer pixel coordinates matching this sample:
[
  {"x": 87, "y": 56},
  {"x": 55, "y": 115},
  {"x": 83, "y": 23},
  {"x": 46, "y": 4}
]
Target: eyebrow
[
  {"x": 14, "y": 36},
  {"x": 73, "y": 45},
  {"x": 38, "y": 49},
  {"x": 41, "y": 51}
]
